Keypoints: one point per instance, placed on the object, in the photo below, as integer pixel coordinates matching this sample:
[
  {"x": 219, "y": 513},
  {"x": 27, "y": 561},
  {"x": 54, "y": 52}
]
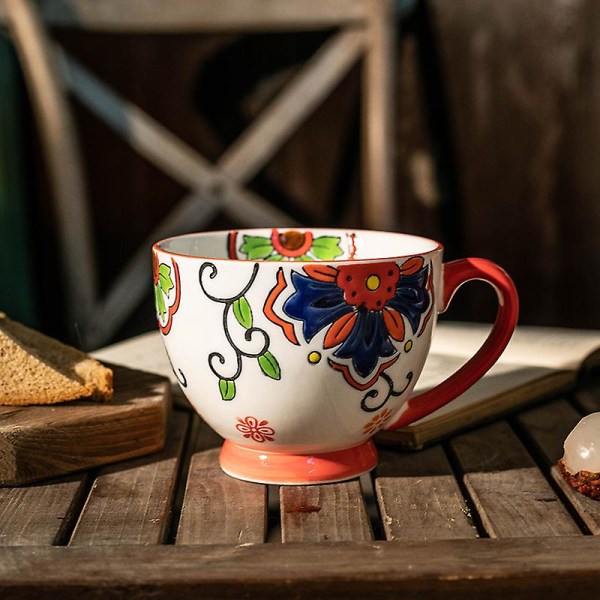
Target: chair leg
[{"x": 378, "y": 121}]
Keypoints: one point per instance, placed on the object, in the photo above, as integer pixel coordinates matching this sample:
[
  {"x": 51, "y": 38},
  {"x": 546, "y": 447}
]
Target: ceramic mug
[{"x": 297, "y": 346}]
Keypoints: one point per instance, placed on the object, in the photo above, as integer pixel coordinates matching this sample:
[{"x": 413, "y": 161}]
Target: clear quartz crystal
[{"x": 582, "y": 446}]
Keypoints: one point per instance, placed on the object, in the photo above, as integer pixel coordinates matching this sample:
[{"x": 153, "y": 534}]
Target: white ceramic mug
[{"x": 297, "y": 346}]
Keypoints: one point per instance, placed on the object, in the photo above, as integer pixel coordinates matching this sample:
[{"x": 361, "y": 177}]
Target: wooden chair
[{"x": 364, "y": 30}]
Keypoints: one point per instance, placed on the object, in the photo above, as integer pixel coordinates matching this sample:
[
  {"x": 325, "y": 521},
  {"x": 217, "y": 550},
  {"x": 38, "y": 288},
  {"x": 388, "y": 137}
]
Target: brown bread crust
[{"x": 37, "y": 369}]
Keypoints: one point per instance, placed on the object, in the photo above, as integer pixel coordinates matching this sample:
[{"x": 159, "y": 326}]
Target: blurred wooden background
[{"x": 497, "y": 144}]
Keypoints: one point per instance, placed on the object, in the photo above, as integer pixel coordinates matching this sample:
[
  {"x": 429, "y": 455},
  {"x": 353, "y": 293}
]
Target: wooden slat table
[{"x": 482, "y": 515}]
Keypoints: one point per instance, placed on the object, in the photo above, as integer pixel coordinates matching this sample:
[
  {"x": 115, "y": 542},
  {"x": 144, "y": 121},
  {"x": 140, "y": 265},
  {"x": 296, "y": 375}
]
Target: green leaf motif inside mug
[
  {"x": 291, "y": 245},
  {"x": 326, "y": 247},
  {"x": 255, "y": 247}
]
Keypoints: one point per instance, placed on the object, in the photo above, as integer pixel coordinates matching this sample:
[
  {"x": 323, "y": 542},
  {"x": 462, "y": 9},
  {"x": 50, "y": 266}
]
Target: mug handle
[{"x": 455, "y": 274}]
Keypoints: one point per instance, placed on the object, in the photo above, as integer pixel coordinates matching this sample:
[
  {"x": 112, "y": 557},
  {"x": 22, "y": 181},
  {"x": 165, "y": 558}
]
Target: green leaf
[
  {"x": 275, "y": 256},
  {"x": 159, "y": 301},
  {"x": 256, "y": 247},
  {"x": 269, "y": 365},
  {"x": 243, "y": 312},
  {"x": 326, "y": 247},
  {"x": 164, "y": 278},
  {"x": 304, "y": 258},
  {"x": 227, "y": 389}
]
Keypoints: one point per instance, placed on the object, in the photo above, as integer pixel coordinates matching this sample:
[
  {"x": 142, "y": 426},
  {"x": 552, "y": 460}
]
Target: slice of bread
[{"x": 37, "y": 369}]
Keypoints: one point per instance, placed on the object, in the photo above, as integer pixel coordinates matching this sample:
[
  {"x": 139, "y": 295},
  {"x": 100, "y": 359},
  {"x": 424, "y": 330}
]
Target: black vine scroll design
[
  {"x": 178, "y": 374},
  {"x": 242, "y": 312},
  {"x": 391, "y": 392},
  {"x": 180, "y": 377}
]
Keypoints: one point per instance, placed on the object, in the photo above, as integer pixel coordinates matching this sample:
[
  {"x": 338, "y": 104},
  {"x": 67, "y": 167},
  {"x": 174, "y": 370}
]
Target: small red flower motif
[
  {"x": 377, "y": 422},
  {"x": 252, "y": 428}
]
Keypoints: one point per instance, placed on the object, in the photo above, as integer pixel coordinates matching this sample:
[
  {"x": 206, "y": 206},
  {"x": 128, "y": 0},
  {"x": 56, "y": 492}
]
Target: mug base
[{"x": 278, "y": 468}]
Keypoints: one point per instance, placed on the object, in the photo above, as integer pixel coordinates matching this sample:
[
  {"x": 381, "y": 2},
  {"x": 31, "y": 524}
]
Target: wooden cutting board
[{"x": 38, "y": 442}]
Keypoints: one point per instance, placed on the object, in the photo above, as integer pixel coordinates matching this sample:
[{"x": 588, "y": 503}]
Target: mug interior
[{"x": 310, "y": 244}]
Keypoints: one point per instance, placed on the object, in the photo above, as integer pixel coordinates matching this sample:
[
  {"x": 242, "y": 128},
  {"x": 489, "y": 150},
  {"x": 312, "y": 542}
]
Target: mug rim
[{"x": 437, "y": 246}]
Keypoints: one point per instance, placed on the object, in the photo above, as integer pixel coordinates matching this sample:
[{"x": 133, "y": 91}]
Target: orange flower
[{"x": 377, "y": 422}]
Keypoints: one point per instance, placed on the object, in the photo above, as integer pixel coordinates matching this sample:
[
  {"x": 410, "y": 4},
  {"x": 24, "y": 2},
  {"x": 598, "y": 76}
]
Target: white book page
[
  {"x": 532, "y": 353},
  {"x": 552, "y": 348},
  {"x": 502, "y": 377},
  {"x": 145, "y": 352}
]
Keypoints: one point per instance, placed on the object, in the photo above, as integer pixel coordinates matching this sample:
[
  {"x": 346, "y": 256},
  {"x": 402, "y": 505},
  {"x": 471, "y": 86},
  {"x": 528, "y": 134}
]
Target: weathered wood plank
[
  {"x": 320, "y": 513},
  {"x": 38, "y": 442},
  {"x": 521, "y": 78},
  {"x": 268, "y": 132},
  {"x": 218, "y": 509},
  {"x": 519, "y": 569},
  {"x": 577, "y": 206},
  {"x": 547, "y": 426},
  {"x": 178, "y": 16},
  {"x": 130, "y": 503},
  {"x": 40, "y": 515},
  {"x": 378, "y": 117},
  {"x": 419, "y": 497},
  {"x": 511, "y": 495},
  {"x": 587, "y": 509},
  {"x": 164, "y": 149}
]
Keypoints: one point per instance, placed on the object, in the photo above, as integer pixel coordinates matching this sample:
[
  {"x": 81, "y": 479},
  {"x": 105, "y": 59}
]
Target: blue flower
[{"x": 363, "y": 305}]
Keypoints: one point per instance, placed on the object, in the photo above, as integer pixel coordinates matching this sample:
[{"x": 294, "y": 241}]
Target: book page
[
  {"x": 552, "y": 348},
  {"x": 501, "y": 378},
  {"x": 145, "y": 352}
]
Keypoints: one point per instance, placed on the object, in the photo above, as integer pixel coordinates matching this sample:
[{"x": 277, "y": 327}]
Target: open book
[{"x": 538, "y": 362}]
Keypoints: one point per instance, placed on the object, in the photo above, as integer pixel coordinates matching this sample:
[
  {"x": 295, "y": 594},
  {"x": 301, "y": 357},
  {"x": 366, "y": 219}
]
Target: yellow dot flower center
[
  {"x": 314, "y": 357},
  {"x": 373, "y": 282}
]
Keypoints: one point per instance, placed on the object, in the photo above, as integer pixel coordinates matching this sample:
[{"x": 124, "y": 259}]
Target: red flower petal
[
  {"x": 339, "y": 330},
  {"x": 394, "y": 323},
  {"x": 321, "y": 272},
  {"x": 412, "y": 265}
]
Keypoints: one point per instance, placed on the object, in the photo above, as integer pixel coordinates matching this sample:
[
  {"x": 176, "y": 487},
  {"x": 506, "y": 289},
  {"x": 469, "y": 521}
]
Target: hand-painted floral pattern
[
  {"x": 167, "y": 291},
  {"x": 258, "y": 431},
  {"x": 289, "y": 245},
  {"x": 364, "y": 307},
  {"x": 377, "y": 422},
  {"x": 240, "y": 307}
]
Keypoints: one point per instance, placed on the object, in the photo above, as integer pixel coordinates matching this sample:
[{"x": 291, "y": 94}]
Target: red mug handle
[{"x": 455, "y": 274}]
